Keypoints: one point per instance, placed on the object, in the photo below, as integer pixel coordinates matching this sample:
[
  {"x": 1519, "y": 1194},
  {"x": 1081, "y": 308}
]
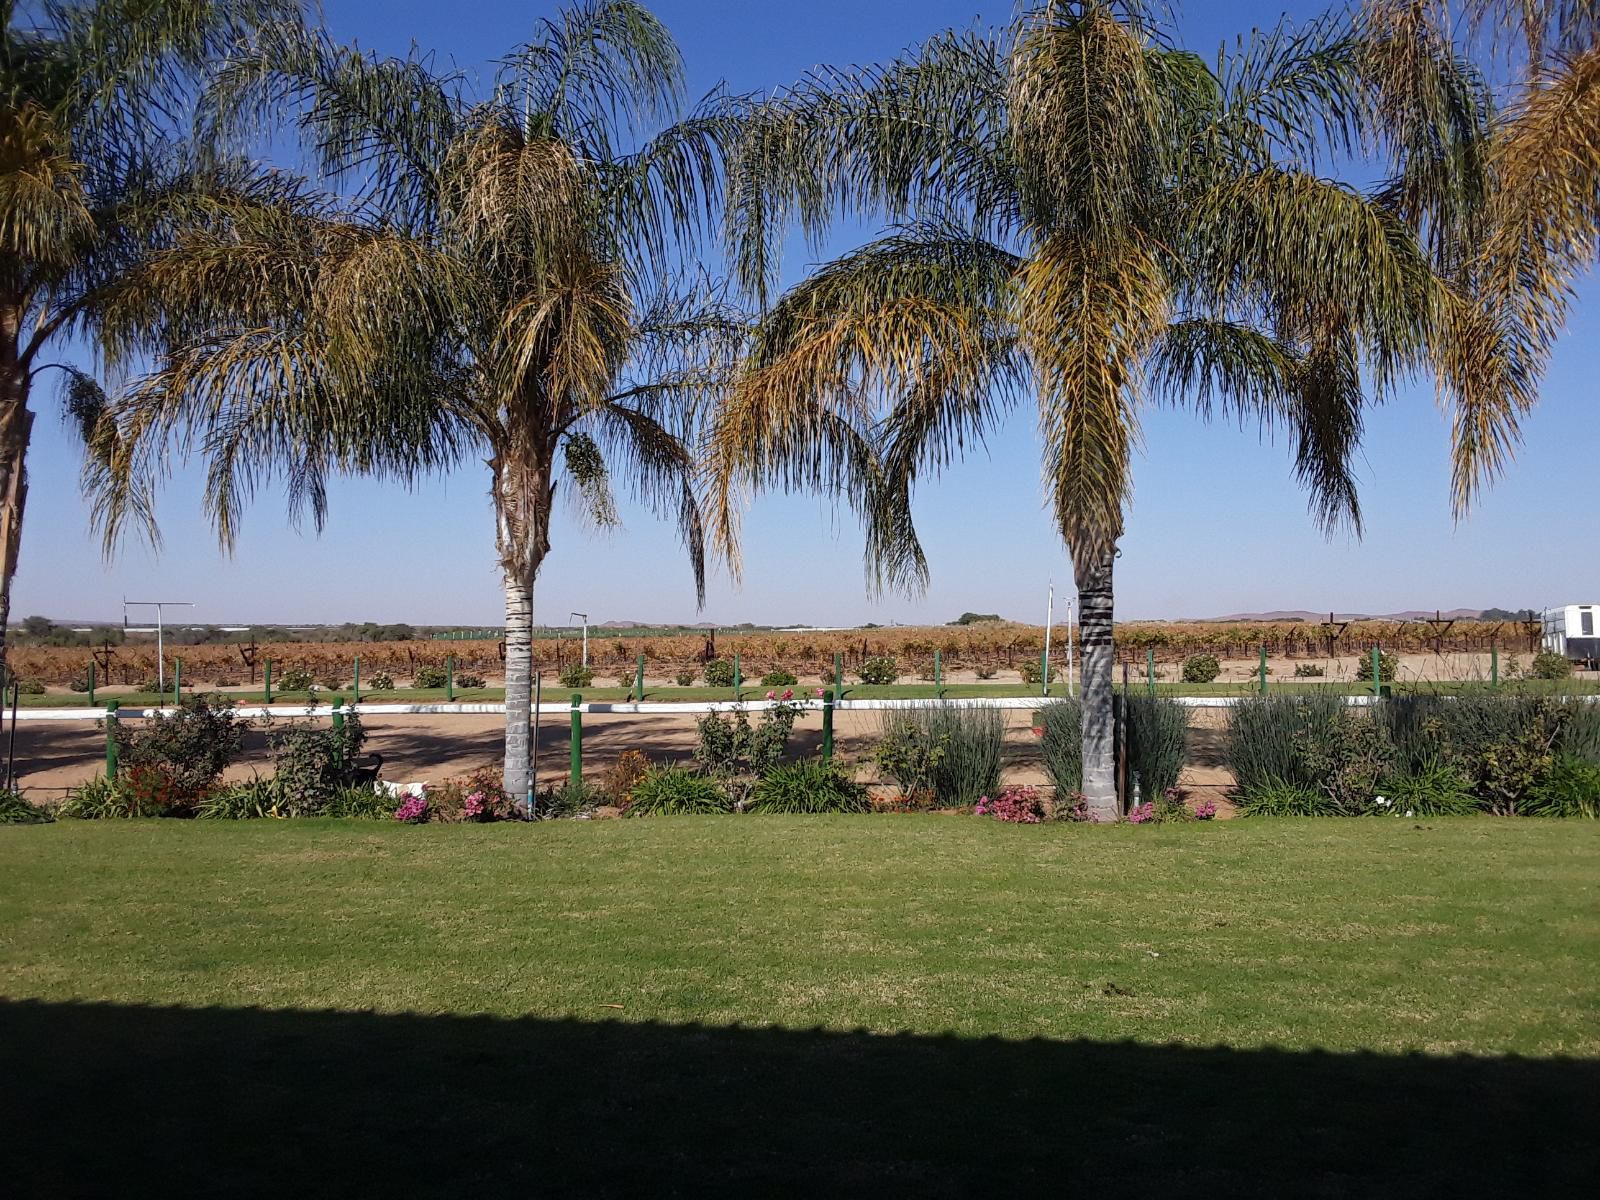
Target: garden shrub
[
  {"x": 1548, "y": 665},
  {"x": 684, "y": 679},
  {"x": 576, "y": 676},
  {"x": 719, "y": 673},
  {"x": 677, "y": 791},
  {"x": 361, "y": 803},
  {"x": 984, "y": 671},
  {"x": 1272, "y": 797},
  {"x": 779, "y": 678},
  {"x": 1435, "y": 788},
  {"x": 1061, "y": 742},
  {"x": 567, "y": 799},
  {"x": 1388, "y": 667},
  {"x": 1157, "y": 733},
  {"x": 1031, "y": 672},
  {"x": 152, "y": 687},
  {"x": 79, "y": 683},
  {"x": 437, "y": 677},
  {"x": 1019, "y": 804},
  {"x": 381, "y": 682},
  {"x": 243, "y": 801},
  {"x": 1307, "y": 670},
  {"x": 189, "y": 748},
  {"x": 14, "y": 810},
  {"x": 623, "y": 775},
  {"x": 414, "y": 809},
  {"x": 471, "y": 682},
  {"x": 477, "y": 796},
  {"x": 1345, "y": 755},
  {"x": 1261, "y": 741},
  {"x": 1201, "y": 668},
  {"x": 32, "y": 687},
  {"x": 729, "y": 746},
  {"x": 102, "y": 799},
  {"x": 947, "y": 755},
  {"x": 812, "y": 786},
  {"x": 295, "y": 679},
  {"x": 332, "y": 681},
  {"x": 313, "y": 763},
  {"x": 1570, "y": 788},
  {"x": 879, "y": 670}
]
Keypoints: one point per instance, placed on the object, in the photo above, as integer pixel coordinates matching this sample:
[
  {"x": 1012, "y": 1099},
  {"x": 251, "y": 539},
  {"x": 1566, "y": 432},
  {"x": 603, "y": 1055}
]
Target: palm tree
[
  {"x": 499, "y": 283},
  {"x": 1083, "y": 212},
  {"x": 88, "y": 93}
]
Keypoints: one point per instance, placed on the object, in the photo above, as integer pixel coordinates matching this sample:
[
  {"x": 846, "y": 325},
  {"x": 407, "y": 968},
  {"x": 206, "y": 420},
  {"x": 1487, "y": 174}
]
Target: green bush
[
  {"x": 361, "y": 803},
  {"x": 813, "y": 786},
  {"x": 880, "y": 670},
  {"x": 1388, "y": 667},
  {"x": 1031, "y": 672},
  {"x": 945, "y": 755},
  {"x": 104, "y": 799},
  {"x": 568, "y": 799},
  {"x": 1308, "y": 671},
  {"x": 14, "y": 810},
  {"x": 471, "y": 682},
  {"x": 1548, "y": 665},
  {"x": 381, "y": 682},
  {"x": 684, "y": 679},
  {"x": 779, "y": 678},
  {"x": 1261, "y": 744},
  {"x": 984, "y": 671},
  {"x": 437, "y": 677},
  {"x": 190, "y": 747},
  {"x": 1279, "y": 798},
  {"x": 1061, "y": 742},
  {"x": 332, "y": 681},
  {"x": 243, "y": 801},
  {"x": 728, "y": 745},
  {"x": 313, "y": 763},
  {"x": 1201, "y": 668},
  {"x": 1571, "y": 788},
  {"x": 79, "y": 683},
  {"x": 295, "y": 679},
  {"x": 1434, "y": 789},
  {"x": 32, "y": 687},
  {"x": 1288, "y": 744},
  {"x": 1157, "y": 732},
  {"x": 719, "y": 673},
  {"x": 675, "y": 791}
]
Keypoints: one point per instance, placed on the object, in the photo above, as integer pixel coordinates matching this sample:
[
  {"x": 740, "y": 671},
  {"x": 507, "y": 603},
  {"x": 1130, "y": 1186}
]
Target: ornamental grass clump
[
  {"x": 1061, "y": 742},
  {"x": 1157, "y": 731},
  {"x": 943, "y": 756},
  {"x": 811, "y": 786}
]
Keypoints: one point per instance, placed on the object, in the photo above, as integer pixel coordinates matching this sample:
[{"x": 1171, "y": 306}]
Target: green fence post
[
  {"x": 450, "y": 677},
  {"x": 91, "y": 683},
  {"x": 838, "y": 673},
  {"x": 827, "y": 724},
  {"x": 738, "y": 679},
  {"x": 938, "y": 675},
  {"x": 1494, "y": 666},
  {"x": 356, "y": 684},
  {"x": 111, "y": 739},
  {"x": 575, "y": 767},
  {"x": 177, "y": 681},
  {"x": 1263, "y": 670},
  {"x": 1377, "y": 672},
  {"x": 266, "y": 676},
  {"x": 338, "y": 731},
  {"x": 1150, "y": 669},
  {"x": 638, "y": 680}
]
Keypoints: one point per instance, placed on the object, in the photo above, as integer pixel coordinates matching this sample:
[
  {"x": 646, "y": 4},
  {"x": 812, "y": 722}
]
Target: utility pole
[
  {"x": 159, "y": 631},
  {"x": 1049, "y": 616}
]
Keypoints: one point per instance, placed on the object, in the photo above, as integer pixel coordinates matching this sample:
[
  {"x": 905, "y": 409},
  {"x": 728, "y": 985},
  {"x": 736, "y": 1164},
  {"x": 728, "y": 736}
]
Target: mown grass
[{"x": 803, "y": 1005}]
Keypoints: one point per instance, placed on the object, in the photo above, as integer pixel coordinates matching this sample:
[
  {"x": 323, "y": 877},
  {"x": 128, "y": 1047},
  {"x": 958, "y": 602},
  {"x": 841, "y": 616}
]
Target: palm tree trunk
[
  {"x": 518, "y": 780},
  {"x": 16, "y": 428},
  {"x": 1094, "y": 623}
]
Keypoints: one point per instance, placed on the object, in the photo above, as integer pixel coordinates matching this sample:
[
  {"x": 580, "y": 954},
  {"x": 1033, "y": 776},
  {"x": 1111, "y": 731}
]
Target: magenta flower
[
  {"x": 788, "y": 693},
  {"x": 819, "y": 693},
  {"x": 772, "y": 695}
]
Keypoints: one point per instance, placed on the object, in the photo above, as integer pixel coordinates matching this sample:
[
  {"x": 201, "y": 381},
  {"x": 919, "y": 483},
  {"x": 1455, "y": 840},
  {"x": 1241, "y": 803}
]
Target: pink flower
[
  {"x": 772, "y": 695},
  {"x": 1142, "y": 814},
  {"x": 788, "y": 693},
  {"x": 1020, "y": 805},
  {"x": 1038, "y": 731},
  {"x": 819, "y": 693},
  {"x": 413, "y": 812}
]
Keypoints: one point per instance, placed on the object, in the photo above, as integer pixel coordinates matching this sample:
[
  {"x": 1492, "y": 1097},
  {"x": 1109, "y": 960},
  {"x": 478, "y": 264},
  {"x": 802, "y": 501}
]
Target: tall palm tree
[
  {"x": 1086, "y": 213},
  {"x": 89, "y": 93},
  {"x": 498, "y": 282}
]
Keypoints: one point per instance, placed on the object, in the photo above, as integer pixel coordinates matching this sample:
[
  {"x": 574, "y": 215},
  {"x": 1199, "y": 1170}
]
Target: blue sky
[{"x": 1217, "y": 524}]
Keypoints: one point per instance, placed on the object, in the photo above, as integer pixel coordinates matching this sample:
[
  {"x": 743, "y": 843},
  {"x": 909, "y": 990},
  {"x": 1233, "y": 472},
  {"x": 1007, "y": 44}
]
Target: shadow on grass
[{"x": 119, "y": 1100}]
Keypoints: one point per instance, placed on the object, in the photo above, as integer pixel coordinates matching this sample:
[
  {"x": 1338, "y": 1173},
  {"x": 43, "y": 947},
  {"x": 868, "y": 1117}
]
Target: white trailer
[{"x": 1573, "y": 631}]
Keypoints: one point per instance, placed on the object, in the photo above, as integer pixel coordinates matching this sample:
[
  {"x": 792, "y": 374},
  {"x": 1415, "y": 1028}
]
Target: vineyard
[{"x": 991, "y": 645}]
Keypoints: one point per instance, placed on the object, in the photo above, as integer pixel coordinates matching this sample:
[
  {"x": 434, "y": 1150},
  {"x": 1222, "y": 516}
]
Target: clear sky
[{"x": 1217, "y": 524}]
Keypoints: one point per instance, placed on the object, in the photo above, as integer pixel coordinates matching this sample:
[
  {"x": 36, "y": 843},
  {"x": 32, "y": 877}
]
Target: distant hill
[{"x": 1301, "y": 614}]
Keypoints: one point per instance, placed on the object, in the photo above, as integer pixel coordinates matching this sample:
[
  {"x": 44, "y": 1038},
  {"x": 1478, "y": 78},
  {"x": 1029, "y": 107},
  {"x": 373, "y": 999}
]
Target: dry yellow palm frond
[
  {"x": 568, "y": 338},
  {"x": 1546, "y": 212},
  {"x": 1087, "y": 314},
  {"x": 44, "y": 213}
]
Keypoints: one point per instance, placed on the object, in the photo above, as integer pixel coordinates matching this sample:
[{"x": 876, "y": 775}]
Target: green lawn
[{"x": 806, "y": 1006}]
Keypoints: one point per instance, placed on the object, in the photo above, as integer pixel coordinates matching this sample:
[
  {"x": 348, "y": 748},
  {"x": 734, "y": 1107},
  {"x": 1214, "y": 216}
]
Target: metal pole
[
  {"x": 161, "y": 658},
  {"x": 111, "y": 739},
  {"x": 1049, "y": 619},
  {"x": 1377, "y": 677},
  {"x": 338, "y": 731},
  {"x": 11, "y": 752},
  {"x": 938, "y": 675},
  {"x": 827, "y": 724},
  {"x": 1150, "y": 669},
  {"x": 177, "y": 681},
  {"x": 738, "y": 679},
  {"x": 575, "y": 767},
  {"x": 1263, "y": 669},
  {"x": 450, "y": 677},
  {"x": 266, "y": 676},
  {"x": 357, "y": 681},
  {"x": 838, "y": 673},
  {"x": 638, "y": 680},
  {"x": 91, "y": 683}
]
